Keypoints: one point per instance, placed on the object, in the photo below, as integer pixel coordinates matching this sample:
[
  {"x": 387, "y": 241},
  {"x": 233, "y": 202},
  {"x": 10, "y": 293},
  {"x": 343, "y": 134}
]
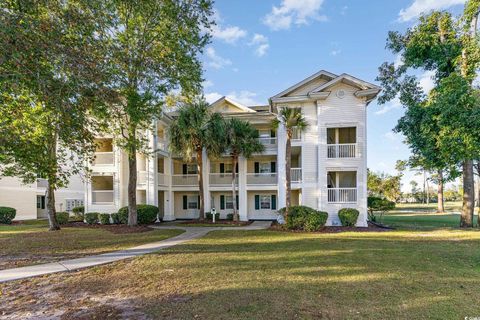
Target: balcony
[
  {"x": 102, "y": 196},
  {"x": 342, "y": 195},
  {"x": 262, "y": 178},
  {"x": 343, "y": 150},
  {"x": 162, "y": 145},
  {"x": 296, "y": 175},
  {"x": 185, "y": 180},
  {"x": 222, "y": 179},
  {"x": 162, "y": 179},
  {"x": 103, "y": 158},
  {"x": 270, "y": 144},
  {"x": 142, "y": 177},
  {"x": 297, "y": 135}
]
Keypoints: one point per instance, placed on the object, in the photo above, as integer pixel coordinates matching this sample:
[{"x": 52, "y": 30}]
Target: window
[
  {"x": 228, "y": 202},
  {"x": 72, "y": 203},
  {"x": 192, "y": 202},
  {"x": 40, "y": 202},
  {"x": 191, "y": 169},
  {"x": 265, "y": 202},
  {"x": 265, "y": 167}
]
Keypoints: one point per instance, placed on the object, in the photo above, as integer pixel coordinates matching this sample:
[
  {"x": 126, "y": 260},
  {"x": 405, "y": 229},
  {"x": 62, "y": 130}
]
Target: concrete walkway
[{"x": 95, "y": 260}]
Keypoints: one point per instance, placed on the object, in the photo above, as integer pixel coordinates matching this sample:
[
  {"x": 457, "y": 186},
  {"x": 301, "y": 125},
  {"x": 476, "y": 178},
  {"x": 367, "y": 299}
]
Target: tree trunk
[
  {"x": 234, "y": 188},
  {"x": 52, "y": 214},
  {"x": 288, "y": 164},
  {"x": 440, "y": 206},
  {"x": 424, "y": 182},
  {"x": 132, "y": 187},
  {"x": 466, "y": 220},
  {"x": 200, "y": 184}
]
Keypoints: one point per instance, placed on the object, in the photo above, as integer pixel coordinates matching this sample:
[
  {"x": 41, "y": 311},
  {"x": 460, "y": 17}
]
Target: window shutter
[
  {"x": 236, "y": 201},
  {"x": 184, "y": 168},
  {"x": 42, "y": 199},
  {"x": 257, "y": 167},
  {"x": 257, "y": 202},
  {"x": 222, "y": 167},
  {"x": 272, "y": 133},
  {"x": 198, "y": 202},
  {"x": 274, "y": 202},
  {"x": 236, "y": 168},
  {"x": 222, "y": 202},
  {"x": 273, "y": 167},
  {"x": 185, "y": 203}
]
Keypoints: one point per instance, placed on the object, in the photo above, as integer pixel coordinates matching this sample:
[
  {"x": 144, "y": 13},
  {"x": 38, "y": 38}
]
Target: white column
[
  {"x": 168, "y": 195},
  {"x": 282, "y": 179},
  {"x": 322, "y": 151},
  {"x": 242, "y": 189},
  {"x": 206, "y": 180}
]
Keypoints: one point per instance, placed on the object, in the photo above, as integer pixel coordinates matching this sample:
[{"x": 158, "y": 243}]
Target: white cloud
[
  {"x": 214, "y": 60},
  {"x": 426, "y": 81},
  {"x": 392, "y": 105},
  {"x": 335, "y": 52},
  {"x": 298, "y": 12},
  {"x": 228, "y": 34},
  {"x": 261, "y": 44},
  {"x": 207, "y": 84},
  {"x": 424, "y": 6},
  {"x": 398, "y": 61},
  {"x": 244, "y": 97}
]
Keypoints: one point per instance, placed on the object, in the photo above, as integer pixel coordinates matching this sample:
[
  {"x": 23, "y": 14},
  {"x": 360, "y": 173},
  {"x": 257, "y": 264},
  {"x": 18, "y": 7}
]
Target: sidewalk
[{"x": 95, "y": 260}]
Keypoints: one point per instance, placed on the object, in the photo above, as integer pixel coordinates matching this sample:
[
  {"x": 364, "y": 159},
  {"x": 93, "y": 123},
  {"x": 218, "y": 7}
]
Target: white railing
[
  {"x": 261, "y": 178},
  {"x": 222, "y": 179},
  {"x": 344, "y": 150},
  {"x": 162, "y": 145},
  {"x": 142, "y": 177},
  {"x": 268, "y": 141},
  {"x": 103, "y": 158},
  {"x": 342, "y": 195},
  {"x": 185, "y": 180},
  {"x": 102, "y": 196},
  {"x": 296, "y": 174},
  {"x": 162, "y": 179}
]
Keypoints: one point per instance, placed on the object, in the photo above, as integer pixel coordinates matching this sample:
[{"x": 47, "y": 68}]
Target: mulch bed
[
  {"x": 113, "y": 228},
  {"x": 335, "y": 229}
]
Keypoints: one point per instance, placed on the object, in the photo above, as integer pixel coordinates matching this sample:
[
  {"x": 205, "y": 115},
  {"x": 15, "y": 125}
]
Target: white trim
[{"x": 305, "y": 81}]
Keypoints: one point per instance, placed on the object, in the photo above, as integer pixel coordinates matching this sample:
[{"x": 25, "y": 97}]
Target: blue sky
[{"x": 261, "y": 47}]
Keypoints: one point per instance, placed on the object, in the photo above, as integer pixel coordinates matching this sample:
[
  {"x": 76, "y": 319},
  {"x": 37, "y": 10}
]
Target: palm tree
[
  {"x": 292, "y": 119},
  {"x": 193, "y": 130},
  {"x": 241, "y": 140}
]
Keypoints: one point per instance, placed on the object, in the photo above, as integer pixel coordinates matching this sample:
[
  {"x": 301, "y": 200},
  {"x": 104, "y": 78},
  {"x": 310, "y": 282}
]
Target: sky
[{"x": 261, "y": 47}]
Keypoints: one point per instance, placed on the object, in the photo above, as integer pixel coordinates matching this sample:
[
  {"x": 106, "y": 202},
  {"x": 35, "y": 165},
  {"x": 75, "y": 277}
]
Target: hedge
[
  {"x": 304, "y": 218},
  {"x": 209, "y": 216},
  {"x": 104, "y": 218},
  {"x": 7, "y": 214},
  {"x": 62, "y": 217},
  {"x": 91, "y": 217},
  {"x": 146, "y": 214},
  {"x": 348, "y": 216},
  {"x": 115, "y": 218}
]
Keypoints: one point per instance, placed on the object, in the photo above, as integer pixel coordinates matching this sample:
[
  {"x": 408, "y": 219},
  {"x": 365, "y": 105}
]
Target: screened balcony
[
  {"x": 103, "y": 152},
  {"x": 342, "y": 142},
  {"x": 342, "y": 186},
  {"x": 102, "y": 189}
]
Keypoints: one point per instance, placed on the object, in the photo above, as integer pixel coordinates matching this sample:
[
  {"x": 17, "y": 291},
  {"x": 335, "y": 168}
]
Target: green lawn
[
  {"x": 31, "y": 242},
  {"x": 401, "y": 274},
  {"x": 422, "y": 220}
]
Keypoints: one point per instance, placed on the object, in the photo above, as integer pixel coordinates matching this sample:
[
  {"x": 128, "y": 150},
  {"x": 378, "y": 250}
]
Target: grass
[
  {"x": 431, "y": 207},
  {"x": 31, "y": 242},
  {"x": 401, "y": 274}
]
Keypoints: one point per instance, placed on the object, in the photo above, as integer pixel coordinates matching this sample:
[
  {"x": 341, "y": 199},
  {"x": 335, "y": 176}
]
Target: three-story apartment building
[{"x": 329, "y": 164}]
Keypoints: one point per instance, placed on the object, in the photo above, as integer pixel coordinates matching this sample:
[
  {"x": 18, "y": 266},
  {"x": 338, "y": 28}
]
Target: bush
[
  {"x": 146, "y": 214},
  {"x": 315, "y": 221},
  {"x": 348, "y": 216},
  {"x": 7, "y": 214},
  {"x": 304, "y": 218},
  {"x": 91, "y": 217},
  {"x": 104, "y": 218},
  {"x": 377, "y": 204},
  {"x": 62, "y": 217},
  {"x": 209, "y": 216},
  {"x": 115, "y": 218},
  {"x": 80, "y": 210},
  {"x": 230, "y": 216}
]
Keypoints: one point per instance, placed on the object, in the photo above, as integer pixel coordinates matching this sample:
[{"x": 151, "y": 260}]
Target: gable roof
[
  {"x": 231, "y": 102},
  {"x": 320, "y": 74},
  {"x": 347, "y": 79}
]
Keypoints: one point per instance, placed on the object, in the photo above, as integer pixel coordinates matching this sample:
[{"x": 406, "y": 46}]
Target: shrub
[
  {"x": 315, "y": 221},
  {"x": 104, "y": 218},
  {"x": 230, "y": 216},
  {"x": 91, "y": 217},
  {"x": 115, "y": 218},
  {"x": 304, "y": 218},
  {"x": 62, "y": 217},
  {"x": 146, "y": 214},
  {"x": 80, "y": 210},
  {"x": 377, "y": 204},
  {"x": 7, "y": 214},
  {"x": 209, "y": 216},
  {"x": 348, "y": 216}
]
